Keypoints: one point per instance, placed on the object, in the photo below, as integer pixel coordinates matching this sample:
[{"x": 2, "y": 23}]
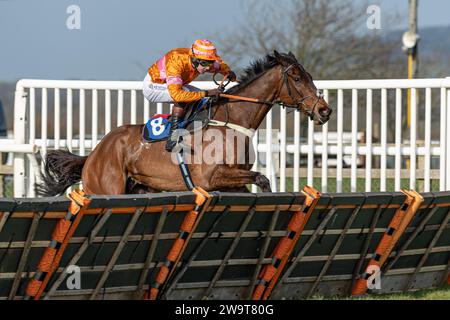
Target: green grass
[
  {"x": 442, "y": 293},
  {"x": 360, "y": 184},
  {"x": 7, "y": 189}
]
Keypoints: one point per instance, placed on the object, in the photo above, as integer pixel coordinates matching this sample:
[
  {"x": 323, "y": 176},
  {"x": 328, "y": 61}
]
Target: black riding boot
[{"x": 173, "y": 139}]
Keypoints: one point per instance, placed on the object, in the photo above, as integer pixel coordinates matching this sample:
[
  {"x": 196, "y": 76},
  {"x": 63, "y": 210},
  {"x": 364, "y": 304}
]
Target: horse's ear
[
  {"x": 277, "y": 55},
  {"x": 293, "y": 56}
]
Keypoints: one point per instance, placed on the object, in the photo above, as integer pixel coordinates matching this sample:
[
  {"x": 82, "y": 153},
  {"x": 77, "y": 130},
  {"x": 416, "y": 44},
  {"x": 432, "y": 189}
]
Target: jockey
[{"x": 167, "y": 79}]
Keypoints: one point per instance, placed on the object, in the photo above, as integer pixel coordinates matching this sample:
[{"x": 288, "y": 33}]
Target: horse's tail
[{"x": 61, "y": 170}]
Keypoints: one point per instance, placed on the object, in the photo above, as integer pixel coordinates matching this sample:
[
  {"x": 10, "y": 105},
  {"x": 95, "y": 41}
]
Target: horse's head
[{"x": 298, "y": 91}]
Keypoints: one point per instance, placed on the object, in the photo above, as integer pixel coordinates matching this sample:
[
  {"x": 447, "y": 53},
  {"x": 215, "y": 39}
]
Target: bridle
[{"x": 301, "y": 104}]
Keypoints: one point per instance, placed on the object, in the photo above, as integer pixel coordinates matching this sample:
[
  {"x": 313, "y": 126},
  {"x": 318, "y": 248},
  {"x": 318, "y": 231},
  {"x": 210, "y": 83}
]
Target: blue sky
[{"x": 118, "y": 39}]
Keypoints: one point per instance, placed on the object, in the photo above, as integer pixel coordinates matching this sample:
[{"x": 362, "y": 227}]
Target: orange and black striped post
[
  {"x": 53, "y": 253},
  {"x": 396, "y": 228},
  {"x": 175, "y": 252},
  {"x": 271, "y": 272}
]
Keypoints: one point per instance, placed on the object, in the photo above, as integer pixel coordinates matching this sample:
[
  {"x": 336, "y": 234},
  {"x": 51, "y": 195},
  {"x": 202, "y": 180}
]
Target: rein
[
  {"x": 300, "y": 104},
  {"x": 241, "y": 98}
]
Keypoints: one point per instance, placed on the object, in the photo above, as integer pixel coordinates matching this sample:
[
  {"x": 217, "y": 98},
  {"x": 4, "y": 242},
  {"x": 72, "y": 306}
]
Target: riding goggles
[{"x": 205, "y": 63}]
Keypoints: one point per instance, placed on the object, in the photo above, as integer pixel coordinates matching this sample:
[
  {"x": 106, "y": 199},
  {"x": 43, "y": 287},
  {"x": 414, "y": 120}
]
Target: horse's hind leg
[
  {"x": 106, "y": 168},
  {"x": 103, "y": 174},
  {"x": 108, "y": 182},
  {"x": 134, "y": 187}
]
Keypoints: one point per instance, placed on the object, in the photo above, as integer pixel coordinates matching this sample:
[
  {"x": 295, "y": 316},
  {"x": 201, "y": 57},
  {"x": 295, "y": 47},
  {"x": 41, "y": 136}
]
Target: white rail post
[
  {"x": 353, "y": 178},
  {"x": 82, "y": 123},
  {"x": 310, "y": 165},
  {"x": 443, "y": 139},
  {"x": 31, "y": 138},
  {"x": 398, "y": 138},
  {"x": 146, "y": 110},
  {"x": 427, "y": 185},
  {"x": 383, "y": 136},
  {"x": 69, "y": 124},
  {"x": 296, "y": 179},
  {"x": 340, "y": 130},
  {"x": 159, "y": 108},
  {"x": 325, "y": 150},
  {"x": 94, "y": 126},
  {"x": 255, "y": 148},
  {"x": 107, "y": 111},
  {"x": 133, "y": 107},
  {"x": 368, "y": 140},
  {"x": 120, "y": 108},
  {"x": 413, "y": 138},
  {"x": 44, "y": 122},
  {"x": 20, "y": 105},
  {"x": 283, "y": 149},
  {"x": 447, "y": 175},
  {"x": 56, "y": 125},
  {"x": 269, "y": 149}
]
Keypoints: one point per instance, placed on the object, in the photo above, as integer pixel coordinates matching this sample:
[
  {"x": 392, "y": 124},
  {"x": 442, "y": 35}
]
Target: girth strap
[{"x": 248, "y": 132}]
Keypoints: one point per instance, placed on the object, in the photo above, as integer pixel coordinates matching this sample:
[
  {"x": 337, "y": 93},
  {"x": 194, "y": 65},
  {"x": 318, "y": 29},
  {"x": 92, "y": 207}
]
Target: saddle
[{"x": 158, "y": 126}]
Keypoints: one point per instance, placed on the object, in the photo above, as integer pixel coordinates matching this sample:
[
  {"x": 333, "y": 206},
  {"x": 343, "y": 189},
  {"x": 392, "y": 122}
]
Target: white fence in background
[{"x": 33, "y": 127}]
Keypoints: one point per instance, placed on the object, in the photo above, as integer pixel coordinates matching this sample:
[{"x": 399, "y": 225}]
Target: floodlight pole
[{"x": 412, "y": 54}]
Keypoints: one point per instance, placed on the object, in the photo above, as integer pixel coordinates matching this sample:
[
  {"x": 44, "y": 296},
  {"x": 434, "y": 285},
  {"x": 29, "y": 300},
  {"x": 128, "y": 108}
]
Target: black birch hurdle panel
[{"x": 121, "y": 241}]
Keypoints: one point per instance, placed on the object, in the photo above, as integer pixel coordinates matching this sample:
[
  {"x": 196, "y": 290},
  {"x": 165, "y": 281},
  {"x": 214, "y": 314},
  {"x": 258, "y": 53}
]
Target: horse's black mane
[{"x": 258, "y": 67}]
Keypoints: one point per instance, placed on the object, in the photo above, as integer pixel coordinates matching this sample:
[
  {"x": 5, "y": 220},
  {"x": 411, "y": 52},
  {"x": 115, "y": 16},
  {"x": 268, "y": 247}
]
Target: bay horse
[{"x": 122, "y": 156}]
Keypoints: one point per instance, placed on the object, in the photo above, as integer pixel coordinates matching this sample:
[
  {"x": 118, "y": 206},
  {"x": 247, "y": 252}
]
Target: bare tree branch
[{"x": 329, "y": 37}]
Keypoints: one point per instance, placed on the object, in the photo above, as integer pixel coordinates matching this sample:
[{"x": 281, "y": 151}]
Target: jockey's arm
[
  {"x": 175, "y": 86},
  {"x": 223, "y": 68},
  {"x": 179, "y": 95}
]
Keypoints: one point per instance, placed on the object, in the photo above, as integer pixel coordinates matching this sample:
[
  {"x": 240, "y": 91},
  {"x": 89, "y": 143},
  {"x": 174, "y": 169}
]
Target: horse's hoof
[{"x": 264, "y": 183}]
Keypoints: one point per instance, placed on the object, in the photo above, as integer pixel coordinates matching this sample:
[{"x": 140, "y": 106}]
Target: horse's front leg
[
  {"x": 231, "y": 178},
  {"x": 240, "y": 190},
  {"x": 263, "y": 182},
  {"x": 134, "y": 187}
]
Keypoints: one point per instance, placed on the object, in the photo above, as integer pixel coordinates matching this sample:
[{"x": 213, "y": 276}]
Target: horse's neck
[{"x": 248, "y": 114}]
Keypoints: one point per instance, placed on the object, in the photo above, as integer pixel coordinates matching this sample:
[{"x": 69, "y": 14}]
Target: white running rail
[{"x": 76, "y": 114}]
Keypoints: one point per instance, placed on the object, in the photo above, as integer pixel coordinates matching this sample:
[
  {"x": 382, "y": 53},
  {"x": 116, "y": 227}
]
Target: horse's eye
[{"x": 297, "y": 79}]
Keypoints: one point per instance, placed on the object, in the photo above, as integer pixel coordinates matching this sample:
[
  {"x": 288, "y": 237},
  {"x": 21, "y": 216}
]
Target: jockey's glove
[
  {"x": 212, "y": 93},
  {"x": 232, "y": 76}
]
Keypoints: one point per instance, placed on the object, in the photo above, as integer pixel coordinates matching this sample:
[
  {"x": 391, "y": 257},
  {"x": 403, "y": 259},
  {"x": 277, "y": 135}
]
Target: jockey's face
[{"x": 205, "y": 66}]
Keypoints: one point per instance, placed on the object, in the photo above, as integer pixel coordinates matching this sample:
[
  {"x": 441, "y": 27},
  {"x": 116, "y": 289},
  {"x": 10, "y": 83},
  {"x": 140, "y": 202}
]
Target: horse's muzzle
[{"x": 324, "y": 114}]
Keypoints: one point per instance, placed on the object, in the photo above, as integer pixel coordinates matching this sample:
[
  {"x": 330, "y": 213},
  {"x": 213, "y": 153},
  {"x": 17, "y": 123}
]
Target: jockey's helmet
[{"x": 205, "y": 50}]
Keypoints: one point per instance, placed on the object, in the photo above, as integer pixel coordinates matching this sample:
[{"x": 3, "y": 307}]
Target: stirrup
[
  {"x": 172, "y": 140},
  {"x": 170, "y": 144}
]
